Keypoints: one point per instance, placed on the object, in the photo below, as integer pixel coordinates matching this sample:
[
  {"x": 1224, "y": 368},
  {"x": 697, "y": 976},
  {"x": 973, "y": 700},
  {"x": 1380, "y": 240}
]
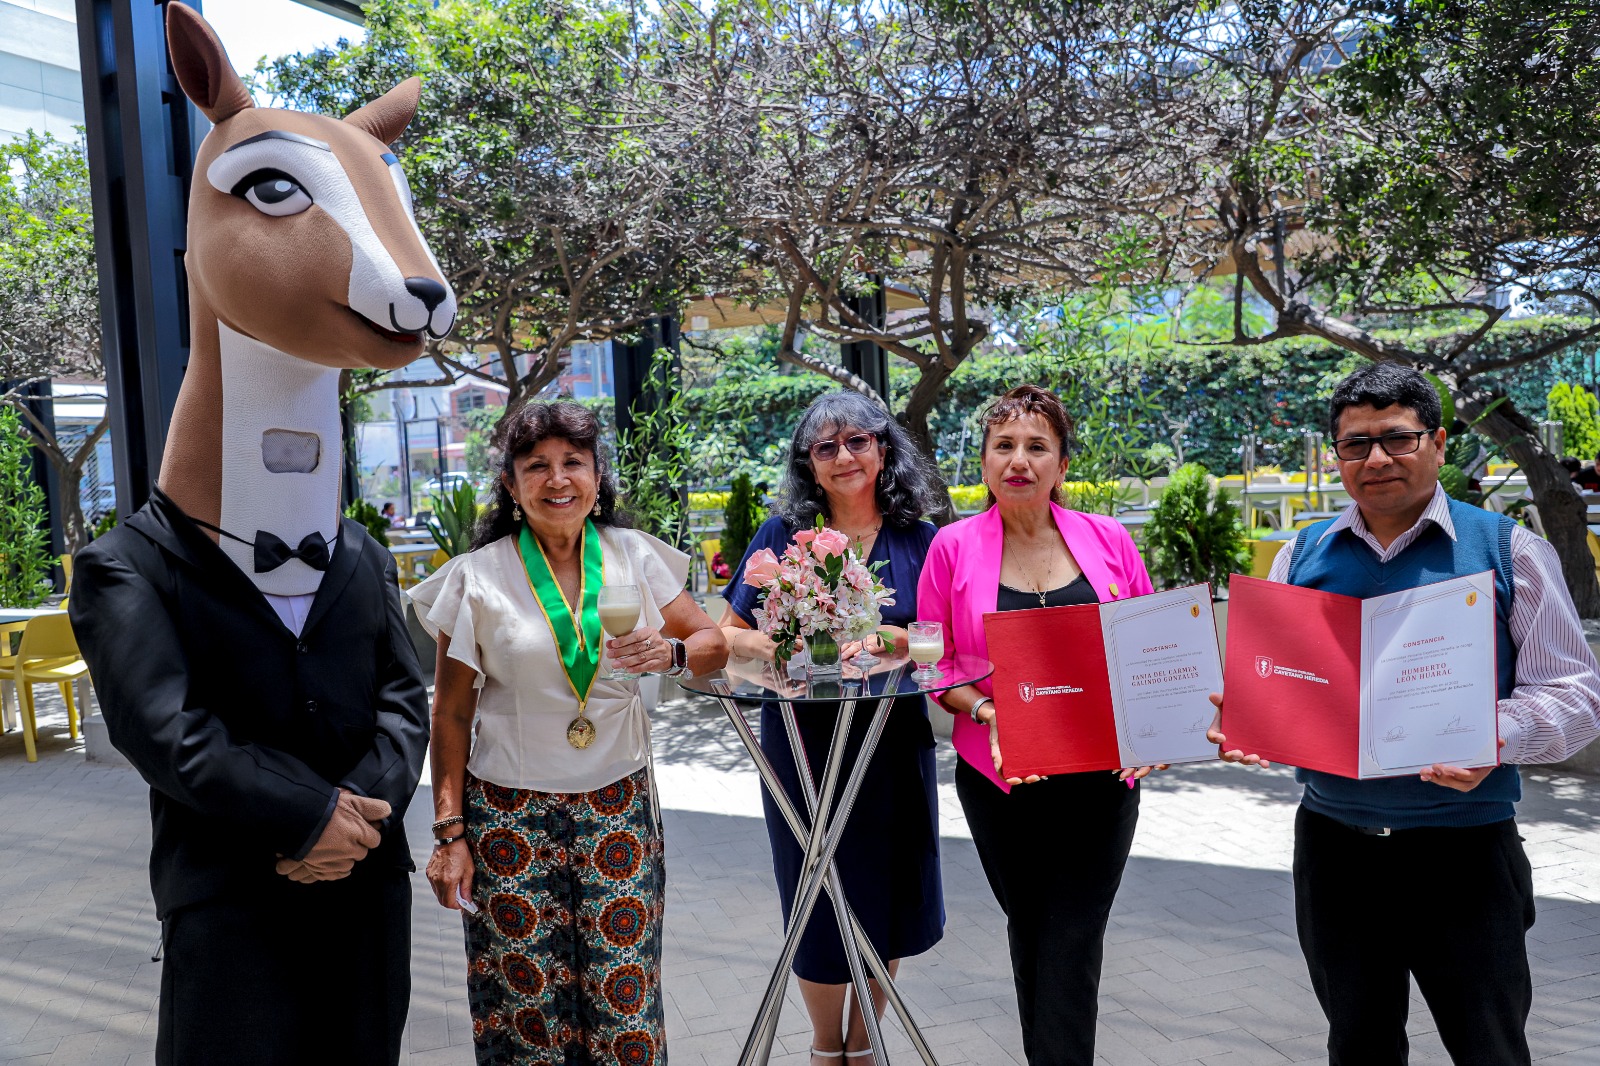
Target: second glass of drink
[{"x": 925, "y": 645}]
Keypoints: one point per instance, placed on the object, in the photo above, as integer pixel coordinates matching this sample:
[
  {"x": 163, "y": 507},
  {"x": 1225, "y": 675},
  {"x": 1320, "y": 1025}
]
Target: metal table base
[{"x": 819, "y": 837}]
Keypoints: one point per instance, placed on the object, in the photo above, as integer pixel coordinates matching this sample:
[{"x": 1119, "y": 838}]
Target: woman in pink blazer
[{"x": 1053, "y": 848}]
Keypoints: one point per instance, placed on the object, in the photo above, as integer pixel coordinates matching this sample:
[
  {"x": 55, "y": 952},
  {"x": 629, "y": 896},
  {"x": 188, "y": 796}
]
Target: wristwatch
[{"x": 680, "y": 659}]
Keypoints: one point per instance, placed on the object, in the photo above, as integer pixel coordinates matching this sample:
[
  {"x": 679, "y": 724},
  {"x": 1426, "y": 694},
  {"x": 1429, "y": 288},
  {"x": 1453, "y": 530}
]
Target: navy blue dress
[{"x": 888, "y": 858}]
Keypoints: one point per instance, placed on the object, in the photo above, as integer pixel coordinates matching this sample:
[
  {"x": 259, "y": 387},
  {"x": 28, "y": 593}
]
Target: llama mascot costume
[{"x": 247, "y": 644}]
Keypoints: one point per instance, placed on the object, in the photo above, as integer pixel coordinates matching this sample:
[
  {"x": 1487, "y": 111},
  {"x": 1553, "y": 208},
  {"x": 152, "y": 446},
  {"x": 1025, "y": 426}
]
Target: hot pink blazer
[{"x": 961, "y": 580}]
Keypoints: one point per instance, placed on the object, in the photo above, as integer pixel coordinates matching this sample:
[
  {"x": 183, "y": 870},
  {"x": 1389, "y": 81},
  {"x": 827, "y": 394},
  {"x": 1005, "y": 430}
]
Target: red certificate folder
[
  {"x": 1102, "y": 686},
  {"x": 1052, "y": 696},
  {"x": 1313, "y": 720},
  {"x": 1305, "y": 670}
]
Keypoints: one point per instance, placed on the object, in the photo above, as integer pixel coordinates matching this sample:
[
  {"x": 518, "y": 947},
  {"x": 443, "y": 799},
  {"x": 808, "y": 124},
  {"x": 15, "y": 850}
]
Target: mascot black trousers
[{"x": 293, "y": 974}]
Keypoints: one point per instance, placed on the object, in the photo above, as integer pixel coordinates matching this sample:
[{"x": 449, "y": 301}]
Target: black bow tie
[{"x": 272, "y": 552}]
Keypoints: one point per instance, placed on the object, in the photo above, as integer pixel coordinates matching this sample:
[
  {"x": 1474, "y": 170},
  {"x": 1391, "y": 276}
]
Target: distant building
[
  {"x": 588, "y": 371},
  {"x": 40, "y": 87}
]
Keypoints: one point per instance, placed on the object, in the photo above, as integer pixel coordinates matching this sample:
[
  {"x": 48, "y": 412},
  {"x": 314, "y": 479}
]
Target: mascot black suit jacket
[{"x": 245, "y": 732}]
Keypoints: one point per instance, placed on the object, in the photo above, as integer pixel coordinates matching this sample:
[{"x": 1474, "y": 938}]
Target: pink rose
[
  {"x": 762, "y": 568},
  {"x": 804, "y": 537},
  {"x": 829, "y": 542}
]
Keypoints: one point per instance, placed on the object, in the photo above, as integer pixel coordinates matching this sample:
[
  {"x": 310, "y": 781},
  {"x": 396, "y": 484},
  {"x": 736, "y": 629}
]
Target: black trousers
[
  {"x": 1054, "y": 853},
  {"x": 1450, "y": 907},
  {"x": 294, "y": 974}
]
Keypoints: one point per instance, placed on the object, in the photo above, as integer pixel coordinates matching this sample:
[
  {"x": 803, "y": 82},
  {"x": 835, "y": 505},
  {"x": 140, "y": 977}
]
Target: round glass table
[{"x": 804, "y": 690}]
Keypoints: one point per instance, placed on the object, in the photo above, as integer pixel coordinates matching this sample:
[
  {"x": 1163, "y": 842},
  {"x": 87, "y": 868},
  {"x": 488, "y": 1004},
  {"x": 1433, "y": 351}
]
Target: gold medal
[{"x": 580, "y": 732}]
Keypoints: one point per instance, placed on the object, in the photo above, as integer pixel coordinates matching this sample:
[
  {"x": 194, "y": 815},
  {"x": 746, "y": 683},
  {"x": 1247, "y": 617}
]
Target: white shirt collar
[{"x": 1437, "y": 512}]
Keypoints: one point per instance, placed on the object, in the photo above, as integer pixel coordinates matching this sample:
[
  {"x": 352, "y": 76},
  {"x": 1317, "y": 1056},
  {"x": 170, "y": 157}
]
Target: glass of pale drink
[
  {"x": 925, "y": 642},
  {"x": 619, "y": 616}
]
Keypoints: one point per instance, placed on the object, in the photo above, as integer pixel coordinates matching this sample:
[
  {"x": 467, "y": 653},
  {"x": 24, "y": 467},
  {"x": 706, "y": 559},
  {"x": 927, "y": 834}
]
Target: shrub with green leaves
[
  {"x": 372, "y": 518},
  {"x": 1576, "y": 408},
  {"x": 653, "y": 456},
  {"x": 740, "y": 518},
  {"x": 1194, "y": 533},
  {"x": 454, "y": 514},
  {"x": 24, "y": 536}
]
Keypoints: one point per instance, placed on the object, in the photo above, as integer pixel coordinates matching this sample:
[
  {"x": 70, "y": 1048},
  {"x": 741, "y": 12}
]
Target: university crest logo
[
  {"x": 1263, "y": 666},
  {"x": 1025, "y": 690}
]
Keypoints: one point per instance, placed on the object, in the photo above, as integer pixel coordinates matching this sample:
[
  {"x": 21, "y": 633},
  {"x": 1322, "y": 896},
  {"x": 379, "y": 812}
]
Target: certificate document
[
  {"x": 1103, "y": 686},
  {"x": 1364, "y": 688}
]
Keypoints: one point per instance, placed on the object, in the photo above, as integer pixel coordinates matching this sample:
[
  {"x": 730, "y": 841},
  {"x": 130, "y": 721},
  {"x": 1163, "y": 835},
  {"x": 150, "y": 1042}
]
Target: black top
[{"x": 1078, "y": 590}]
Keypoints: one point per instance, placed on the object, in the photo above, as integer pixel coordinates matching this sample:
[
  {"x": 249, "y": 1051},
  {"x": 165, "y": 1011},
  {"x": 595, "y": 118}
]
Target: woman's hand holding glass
[
  {"x": 643, "y": 651},
  {"x": 619, "y": 616}
]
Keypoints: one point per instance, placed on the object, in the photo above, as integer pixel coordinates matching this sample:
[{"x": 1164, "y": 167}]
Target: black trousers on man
[
  {"x": 1054, "y": 853},
  {"x": 290, "y": 975},
  {"x": 1450, "y": 907}
]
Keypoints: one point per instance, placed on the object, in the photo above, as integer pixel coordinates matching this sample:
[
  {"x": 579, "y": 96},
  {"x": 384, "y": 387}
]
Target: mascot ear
[
  {"x": 202, "y": 67},
  {"x": 386, "y": 117}
]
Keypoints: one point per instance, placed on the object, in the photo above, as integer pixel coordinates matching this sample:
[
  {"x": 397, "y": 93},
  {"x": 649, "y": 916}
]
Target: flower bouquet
[{"x": 818, "y": 591}]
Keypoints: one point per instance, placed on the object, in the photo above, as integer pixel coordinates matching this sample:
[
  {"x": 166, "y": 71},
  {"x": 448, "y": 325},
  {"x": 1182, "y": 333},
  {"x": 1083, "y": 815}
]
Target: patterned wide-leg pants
[{"x": 564, "y": 954}]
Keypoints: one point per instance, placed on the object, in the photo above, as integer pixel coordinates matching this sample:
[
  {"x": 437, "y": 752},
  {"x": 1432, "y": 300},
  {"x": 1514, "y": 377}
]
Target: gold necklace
[
  {"x": 862, "y": 538},
  {"x": 1038, "y": 590}
]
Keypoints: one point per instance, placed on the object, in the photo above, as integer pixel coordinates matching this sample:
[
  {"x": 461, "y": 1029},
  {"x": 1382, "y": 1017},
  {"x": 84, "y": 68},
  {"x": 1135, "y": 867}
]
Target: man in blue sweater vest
[{"x": 1425, "y": 877}]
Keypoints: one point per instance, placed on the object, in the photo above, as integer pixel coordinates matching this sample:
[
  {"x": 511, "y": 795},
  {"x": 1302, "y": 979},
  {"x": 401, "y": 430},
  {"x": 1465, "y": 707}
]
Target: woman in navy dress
[{"x": 851, "y": 463}]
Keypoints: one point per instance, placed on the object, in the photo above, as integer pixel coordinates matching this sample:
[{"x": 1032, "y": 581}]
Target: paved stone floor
[{"x": 1201, "y": 963}]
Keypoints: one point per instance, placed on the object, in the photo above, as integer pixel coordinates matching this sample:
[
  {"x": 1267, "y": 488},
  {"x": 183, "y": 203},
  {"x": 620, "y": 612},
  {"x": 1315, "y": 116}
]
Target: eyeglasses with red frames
[
  {"x": 824, "y": 451},
  {"x": 1399, "y": 442}
]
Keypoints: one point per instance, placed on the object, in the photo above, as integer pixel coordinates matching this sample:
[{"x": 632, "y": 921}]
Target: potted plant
[{"x": 1194, "y": 533}]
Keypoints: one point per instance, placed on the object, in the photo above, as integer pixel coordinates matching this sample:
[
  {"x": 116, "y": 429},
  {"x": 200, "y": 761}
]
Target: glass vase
[{"x": 824, "y": 652}]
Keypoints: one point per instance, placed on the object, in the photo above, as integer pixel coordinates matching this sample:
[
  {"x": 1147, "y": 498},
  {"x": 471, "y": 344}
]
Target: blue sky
[{"x": 251, "y": 29}]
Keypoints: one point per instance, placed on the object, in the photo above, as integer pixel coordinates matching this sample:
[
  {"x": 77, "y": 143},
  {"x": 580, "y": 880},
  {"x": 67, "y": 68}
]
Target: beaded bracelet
[{"x": 445, "y": 823}]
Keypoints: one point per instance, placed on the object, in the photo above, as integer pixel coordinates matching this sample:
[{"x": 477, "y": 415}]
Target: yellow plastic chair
[
  {"x": 49, "y": 653},
  {"x": 66, "y": 574},
  {"x": 1262, "y": 553},
  {"x": 709, "y": 549}
]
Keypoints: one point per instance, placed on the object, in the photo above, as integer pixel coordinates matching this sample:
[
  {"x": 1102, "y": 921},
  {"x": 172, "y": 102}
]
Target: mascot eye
[{"x": 273, "y": 192}]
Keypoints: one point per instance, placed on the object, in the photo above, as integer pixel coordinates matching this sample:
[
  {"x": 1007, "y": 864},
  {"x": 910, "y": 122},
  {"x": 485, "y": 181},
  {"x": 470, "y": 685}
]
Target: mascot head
[
  {"x": 304, "y": 259},
  {"x": 301, "y": 232}
]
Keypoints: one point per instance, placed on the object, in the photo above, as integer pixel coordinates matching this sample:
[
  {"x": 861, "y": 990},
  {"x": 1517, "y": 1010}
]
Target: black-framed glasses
[
  {"x": 826, "y": 450},
  {"x": 1398, "y": 442}
]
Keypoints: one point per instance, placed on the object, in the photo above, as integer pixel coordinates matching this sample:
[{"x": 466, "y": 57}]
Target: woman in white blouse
[{"x": 547, "y": 835}]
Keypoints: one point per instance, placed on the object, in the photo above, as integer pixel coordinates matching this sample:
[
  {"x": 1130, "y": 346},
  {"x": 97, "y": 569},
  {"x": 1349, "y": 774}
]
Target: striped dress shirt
[{"x": 1554, "y": 710}]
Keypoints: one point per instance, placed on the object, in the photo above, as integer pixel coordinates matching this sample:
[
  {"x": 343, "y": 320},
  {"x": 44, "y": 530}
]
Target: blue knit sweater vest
[{"x": 1343, "y": 563}]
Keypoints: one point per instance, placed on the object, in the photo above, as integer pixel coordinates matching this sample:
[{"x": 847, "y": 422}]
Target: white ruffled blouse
[{"x": 481, "y": 600}]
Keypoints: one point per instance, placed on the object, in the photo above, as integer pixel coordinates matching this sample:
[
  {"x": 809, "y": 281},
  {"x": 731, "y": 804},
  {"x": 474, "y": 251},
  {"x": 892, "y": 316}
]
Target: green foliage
[
  {"x": 369, "y": 516},
  {"x": 480, "y": 425},
  {"x": 652, "y": 457},
  {"x": 742, "y": 406},
  {"x": 1090, "y": 352},
  {"x": 49, "y": 292},
  {"x": 741, "y": 517},
  {"x": 50, "y": 296},
  {"x": 540, "y": 183},
  {"x": 1578, "y": 412},
  {"x": 454, "y": 515},
  {"x": 1477, "y": 122},
  {"x": 105, "y": 523},
  {"x": 24, "y": 537},
  {"x": 1194, "y": 533}
]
